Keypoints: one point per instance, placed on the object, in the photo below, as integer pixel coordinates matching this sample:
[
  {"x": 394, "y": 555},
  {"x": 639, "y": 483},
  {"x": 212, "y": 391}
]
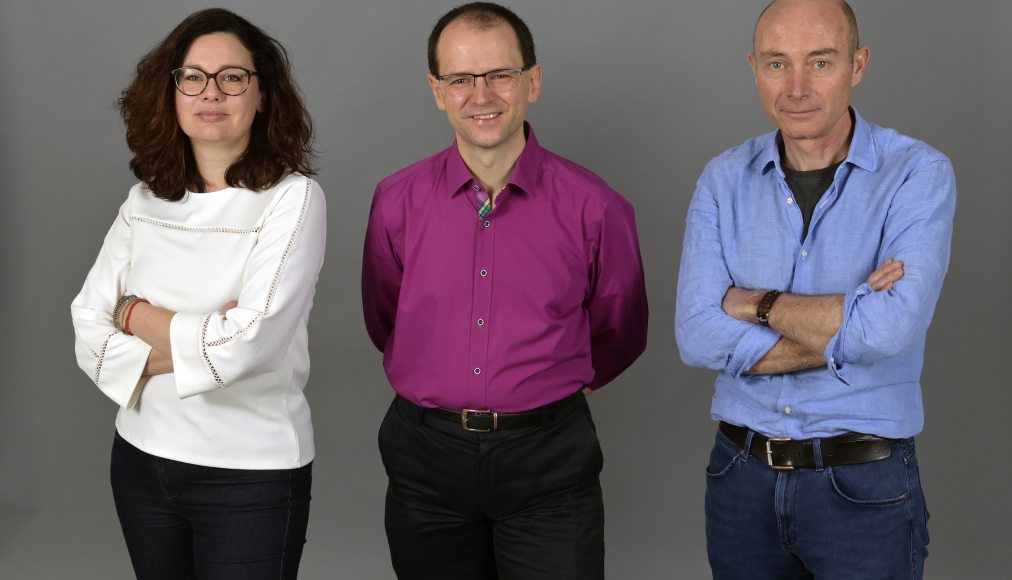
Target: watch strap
[{"x": 762, "y": 311}]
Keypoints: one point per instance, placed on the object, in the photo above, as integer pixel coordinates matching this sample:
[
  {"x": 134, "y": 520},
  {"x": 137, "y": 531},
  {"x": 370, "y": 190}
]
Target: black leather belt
[
  {"x": 784, "y": 453},
  {"x": 484, "y": 420}
]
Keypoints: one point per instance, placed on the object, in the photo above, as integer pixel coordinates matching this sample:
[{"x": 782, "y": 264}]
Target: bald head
[{"x": 777, "y": 8}]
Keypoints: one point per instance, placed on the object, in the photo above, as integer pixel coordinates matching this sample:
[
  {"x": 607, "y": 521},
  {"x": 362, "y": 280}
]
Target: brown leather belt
[{"x": 784, "y": 453}]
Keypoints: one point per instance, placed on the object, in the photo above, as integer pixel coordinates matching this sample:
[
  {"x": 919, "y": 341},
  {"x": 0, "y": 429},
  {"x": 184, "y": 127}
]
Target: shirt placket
[
  {"x": 786, "y": 401},
  {"x": 828, "y": 199},
  {"x": 785, "y": 404},
  {"x": 786, "y": 199},
  {"x": 481, "y": 304}
]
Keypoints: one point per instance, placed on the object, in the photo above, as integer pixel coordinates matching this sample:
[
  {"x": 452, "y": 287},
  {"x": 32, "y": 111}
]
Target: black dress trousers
[{"x": 514, "y": 504}]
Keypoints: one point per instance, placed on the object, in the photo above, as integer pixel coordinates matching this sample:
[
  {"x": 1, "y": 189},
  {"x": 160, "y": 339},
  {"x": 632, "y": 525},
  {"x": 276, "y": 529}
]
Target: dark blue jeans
[
  {"x": 183, "y": 521},
  {"x": 853, "y": 522}
]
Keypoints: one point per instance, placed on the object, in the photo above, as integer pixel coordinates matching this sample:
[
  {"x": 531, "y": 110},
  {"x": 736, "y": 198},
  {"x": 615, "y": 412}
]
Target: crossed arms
[
  {"x": 806, "y": 323},
  {"x": 886, "y": 314}
]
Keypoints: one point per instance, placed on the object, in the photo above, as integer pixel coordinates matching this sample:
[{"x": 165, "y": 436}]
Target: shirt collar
[
  {"x": 525, "y": 171},
  {"x": 861, "y": 153},
  {"x": 862, "y": 147}
]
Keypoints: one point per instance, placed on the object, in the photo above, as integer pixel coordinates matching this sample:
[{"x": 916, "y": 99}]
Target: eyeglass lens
[
  {"x": 193, "y": 81},
  {"x": 500, "y": 81}
]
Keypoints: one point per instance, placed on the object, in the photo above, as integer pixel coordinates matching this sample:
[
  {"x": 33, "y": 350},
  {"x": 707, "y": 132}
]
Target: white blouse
[{"x": 235, "y": 397}]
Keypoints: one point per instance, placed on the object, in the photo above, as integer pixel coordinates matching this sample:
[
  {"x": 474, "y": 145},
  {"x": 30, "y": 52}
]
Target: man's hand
[
  {"x": 886, "y": 275},
  {"x": 741, "y": 304},
  {"x": 152, "y": 326}
]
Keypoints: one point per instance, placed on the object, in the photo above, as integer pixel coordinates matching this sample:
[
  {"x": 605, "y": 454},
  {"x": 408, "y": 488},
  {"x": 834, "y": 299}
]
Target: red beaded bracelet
[{"x": 126, "y": 317}]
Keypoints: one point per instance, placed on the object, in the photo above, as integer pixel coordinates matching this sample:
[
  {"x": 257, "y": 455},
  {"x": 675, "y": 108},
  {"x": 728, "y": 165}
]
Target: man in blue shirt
[{"x": 812, "y": 262}]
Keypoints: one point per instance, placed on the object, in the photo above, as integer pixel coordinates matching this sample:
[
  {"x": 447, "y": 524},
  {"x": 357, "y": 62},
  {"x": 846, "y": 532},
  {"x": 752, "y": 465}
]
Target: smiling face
[
  {"x": 213, "y": 120},
  {"x": 805, "y": 67},
  {"x": 484, "y": 120}
]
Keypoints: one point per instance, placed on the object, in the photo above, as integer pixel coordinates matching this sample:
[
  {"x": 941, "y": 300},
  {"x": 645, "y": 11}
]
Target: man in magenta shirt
[{"x": 502, "y": 283}]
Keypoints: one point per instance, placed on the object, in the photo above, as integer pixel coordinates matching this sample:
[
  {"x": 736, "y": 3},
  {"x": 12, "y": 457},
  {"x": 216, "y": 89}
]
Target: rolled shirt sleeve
[
  {"x": 917, "y": 232},
  {"x": 706, "y": 335}
]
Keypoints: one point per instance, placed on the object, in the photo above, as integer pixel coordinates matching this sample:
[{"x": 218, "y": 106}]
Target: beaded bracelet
[
  {"x": 119, "y": 310},
  {"x": 129, "y": 311}
]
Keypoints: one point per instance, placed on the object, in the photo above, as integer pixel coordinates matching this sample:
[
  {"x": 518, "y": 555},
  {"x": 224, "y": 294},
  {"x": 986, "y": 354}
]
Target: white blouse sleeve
[
  {"x": 112, "y": 359},
  {"x": 212, "y": 351}
]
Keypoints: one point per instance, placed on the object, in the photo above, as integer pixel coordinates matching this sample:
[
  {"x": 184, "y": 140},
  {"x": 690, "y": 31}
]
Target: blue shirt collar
[{"x": 862, "y": 151}]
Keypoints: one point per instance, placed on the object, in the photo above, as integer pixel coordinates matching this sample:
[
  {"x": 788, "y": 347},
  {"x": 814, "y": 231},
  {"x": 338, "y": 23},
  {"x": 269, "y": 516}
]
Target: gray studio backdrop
[{"x": 643, "y": 93}]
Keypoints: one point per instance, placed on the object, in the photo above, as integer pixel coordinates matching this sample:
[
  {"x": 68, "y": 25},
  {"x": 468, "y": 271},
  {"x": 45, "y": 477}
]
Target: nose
[
  {"x": 798, "y": 84},
  {"x": 481, "y": 93},
  {"x": 212, "y": 92}
]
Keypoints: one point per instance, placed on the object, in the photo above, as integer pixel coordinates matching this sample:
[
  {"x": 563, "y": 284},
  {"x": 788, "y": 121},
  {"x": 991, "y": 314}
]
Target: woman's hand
[{"x": 151, "y": 324}]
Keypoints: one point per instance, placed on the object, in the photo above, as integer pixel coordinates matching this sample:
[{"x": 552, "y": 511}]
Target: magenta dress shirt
[{"x": 540, "y": 298}]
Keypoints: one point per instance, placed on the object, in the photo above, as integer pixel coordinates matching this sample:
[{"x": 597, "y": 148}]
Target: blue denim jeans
[
  {"x": 853, "y": 522},
  {"x": 187, "y": 522}
]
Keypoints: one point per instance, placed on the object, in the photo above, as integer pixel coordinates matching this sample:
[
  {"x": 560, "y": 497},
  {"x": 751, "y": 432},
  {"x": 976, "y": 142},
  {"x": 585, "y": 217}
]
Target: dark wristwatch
[{"x": 762, "y": 311}]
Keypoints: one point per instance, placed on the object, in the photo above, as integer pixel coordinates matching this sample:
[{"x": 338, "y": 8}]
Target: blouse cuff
[{"x": 195, "y": 373}]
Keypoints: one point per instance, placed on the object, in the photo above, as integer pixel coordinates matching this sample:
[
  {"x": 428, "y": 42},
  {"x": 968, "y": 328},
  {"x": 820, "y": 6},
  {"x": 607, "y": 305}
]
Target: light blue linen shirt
[{"x": 893, "y": 197}]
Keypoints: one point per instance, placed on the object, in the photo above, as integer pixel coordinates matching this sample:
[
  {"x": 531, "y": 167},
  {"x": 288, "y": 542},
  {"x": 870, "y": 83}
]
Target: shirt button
[
  {"x": 483, "y": 273},
  {"x": 477, "y": 371},
  {"x": 788, "y": 409},
  {"x": 488, "y": 223},
  {"x": 481, "y": 322},
  {"x": 476, "y": 188},
  {"x": 804, "y": 253},
  {"x": 790, "y": 201}
]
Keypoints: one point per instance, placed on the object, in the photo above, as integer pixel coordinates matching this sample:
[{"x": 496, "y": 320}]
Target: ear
[
  {"x": 753, "y": 62},
  {"x": 436, "y": 93},
  {"x": 861, "y": 58},
  {"x": 535, "y": 90}
]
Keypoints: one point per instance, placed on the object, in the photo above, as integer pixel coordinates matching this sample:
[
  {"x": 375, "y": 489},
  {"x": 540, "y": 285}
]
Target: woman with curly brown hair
[{"x": 193, "y": 318}]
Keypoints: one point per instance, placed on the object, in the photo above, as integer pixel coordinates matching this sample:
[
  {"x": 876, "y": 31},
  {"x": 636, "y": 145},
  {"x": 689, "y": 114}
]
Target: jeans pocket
[
  {"x": 914, "y": 471},
  {"x": 880, "y": 483},
  {"x": 723, "y": 459}
]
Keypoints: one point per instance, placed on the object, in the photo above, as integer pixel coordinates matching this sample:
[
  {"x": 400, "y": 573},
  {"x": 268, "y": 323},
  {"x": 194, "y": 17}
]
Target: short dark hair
[
  {"x": 483, "y": 16},
  {"x": 848, "y": 13},
  {"x": 281, "y": 137}
]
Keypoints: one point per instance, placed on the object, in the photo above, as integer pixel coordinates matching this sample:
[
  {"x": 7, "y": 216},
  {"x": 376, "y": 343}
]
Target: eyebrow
[
  {"x": 819, "y": 52},
  {"x": 450, "y": 74},
  {"x": 824, "y": 52},
  {"x": 223, "y": 67}
]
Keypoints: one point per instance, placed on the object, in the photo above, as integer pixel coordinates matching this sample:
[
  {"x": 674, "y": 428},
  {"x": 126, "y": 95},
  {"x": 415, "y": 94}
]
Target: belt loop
[
  {"x": 817, "y": 450},
  {"x": 745, "y": 451}
]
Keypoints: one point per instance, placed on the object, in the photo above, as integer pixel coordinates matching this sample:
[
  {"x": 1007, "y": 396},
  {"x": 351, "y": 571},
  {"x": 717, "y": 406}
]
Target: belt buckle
[
  {"x": 769, "y": 453},
  {"x": 464, "y": 413}
]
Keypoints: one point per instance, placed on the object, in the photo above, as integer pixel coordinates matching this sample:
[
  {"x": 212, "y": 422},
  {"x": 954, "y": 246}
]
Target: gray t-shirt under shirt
[{"x": 808, "y": 187}]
